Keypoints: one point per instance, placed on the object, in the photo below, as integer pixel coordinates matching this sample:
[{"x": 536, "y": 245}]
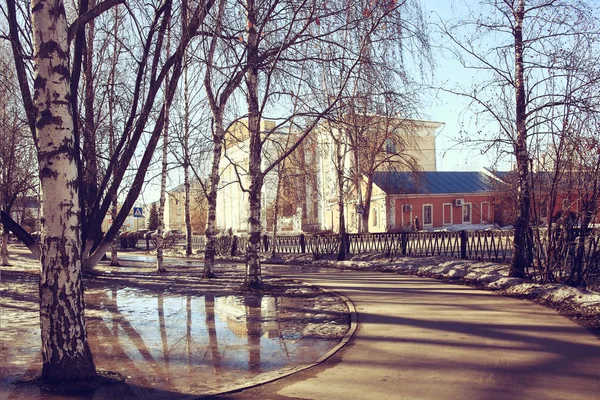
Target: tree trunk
[
  {"x": 217, "y": 108},
  {"x": 367, "y": 204},
  {"x": 89, "y": 159},
  {"x": 186, "y": 135},
  {"x": 253, "y": 272},
  {"x": 521, "y": 250},
  {"x": 276, "y": 208},
  {"x": 65, "y": 351},
  {"x": 4, "y": 250},
  {"x": 188, "y": 219},
  {"x": 186, "y": 160},
  {"x": 161, "y": 206},
  {"x": 253, "y": 269},
  {"x": 114, "y": 257},
  {"x": 342, "y": 217},
  {"x": 211, "y": 197},
  {"x": 163, "y": 177}
]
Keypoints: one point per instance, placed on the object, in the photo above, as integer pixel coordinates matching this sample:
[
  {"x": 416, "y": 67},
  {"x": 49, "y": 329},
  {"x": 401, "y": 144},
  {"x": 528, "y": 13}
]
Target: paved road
[{"x": 423, "y": 339}]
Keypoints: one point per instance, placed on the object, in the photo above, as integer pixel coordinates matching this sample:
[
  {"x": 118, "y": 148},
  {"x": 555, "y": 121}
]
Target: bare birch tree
[
  {"x": 65, "y": 247},
  {"x": 274, "y": 51},
  {"x": 223, "y": 76},
  {"x": 17, "y": 153},
  {"x": 165, "y": 164},
  {"x": 513, "y": 44}
]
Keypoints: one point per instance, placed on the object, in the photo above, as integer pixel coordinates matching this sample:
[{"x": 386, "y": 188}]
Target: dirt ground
[{"x": 172, "y": 334}]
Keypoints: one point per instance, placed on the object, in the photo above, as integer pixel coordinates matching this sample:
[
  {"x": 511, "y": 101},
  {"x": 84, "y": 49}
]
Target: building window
[
  {"x": 375, "y": 216},
  {"x": 427, "y": 214},
  {"x": 390, "y": 146},
  {"x": 485, "y": 212},
  {"x": 447, "y": 213},
  {"x": 466, "y": 211}
]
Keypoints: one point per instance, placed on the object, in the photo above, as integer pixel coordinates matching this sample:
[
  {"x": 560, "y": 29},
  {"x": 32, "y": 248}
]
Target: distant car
[
  {"x": 174, "y": 234},
  {"x": 170, "y": 236}
]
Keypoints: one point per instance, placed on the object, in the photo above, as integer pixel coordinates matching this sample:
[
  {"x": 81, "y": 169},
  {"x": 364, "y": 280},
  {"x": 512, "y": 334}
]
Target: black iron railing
[{"x": 493, "y": 245}]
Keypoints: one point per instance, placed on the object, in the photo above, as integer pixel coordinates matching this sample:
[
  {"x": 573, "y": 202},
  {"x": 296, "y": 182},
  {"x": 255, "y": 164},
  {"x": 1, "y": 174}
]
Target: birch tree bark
[
  {"x": 186, "y": 158},
  {"x": 114, "y": 257},
  {"x": 521, "y": 251},
  {"x": 4, "y": 250},
  {"x": 65, "y": 350},
  {"x": 340, "y": 151},
  {"x": 163, "y": 176},
  {"x": 253, "y": 273},
  {"x": 528, "y": 54},
  {"x": 217, "y": 102}
]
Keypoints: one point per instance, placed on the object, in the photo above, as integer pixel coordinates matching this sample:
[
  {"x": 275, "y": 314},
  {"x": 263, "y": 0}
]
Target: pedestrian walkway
[{"x": 423, "y": 339}]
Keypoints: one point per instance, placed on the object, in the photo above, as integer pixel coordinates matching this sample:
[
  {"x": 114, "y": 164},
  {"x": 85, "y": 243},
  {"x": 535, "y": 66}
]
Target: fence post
[
  {"x": 302, "y": 243},
  {"x": 266, "y": 243},
  {"x": 234, "y": 246},
  {"x": 463, "y": 245},
  {"x": 404, "y": 242}
]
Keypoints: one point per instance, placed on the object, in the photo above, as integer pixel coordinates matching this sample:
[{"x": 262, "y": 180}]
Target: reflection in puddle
[{"x": 168, "y": 345}]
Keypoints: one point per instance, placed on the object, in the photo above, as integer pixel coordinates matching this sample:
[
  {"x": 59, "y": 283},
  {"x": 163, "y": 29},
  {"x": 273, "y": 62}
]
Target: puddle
[{"x": 167, "y": 345}]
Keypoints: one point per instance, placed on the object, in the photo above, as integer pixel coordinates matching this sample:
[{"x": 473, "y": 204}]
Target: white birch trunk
[
  {"x": 163, "y": 177},
  {"x": 209, "y": 251},
  {"x": 521, "y": 248},
  {"x": 217, "y": 108},
  {"x": 186, "y": 159},
  {"x": 65, "y": 351},
  {"x": 114, "y": 256},
  {"x": 163, "y": 190},
  {"x": 4, "y": 246},
  {"x": 253, "y": 270}
]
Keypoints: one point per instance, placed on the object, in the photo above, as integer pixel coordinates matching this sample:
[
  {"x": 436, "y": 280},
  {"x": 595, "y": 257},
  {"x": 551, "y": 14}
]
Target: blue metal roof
[{"x": 438, "y": 182}]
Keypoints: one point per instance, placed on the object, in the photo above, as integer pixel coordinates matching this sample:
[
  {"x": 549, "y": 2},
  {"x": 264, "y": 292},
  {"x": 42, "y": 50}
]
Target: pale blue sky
[{"x": 447, "y": 108}]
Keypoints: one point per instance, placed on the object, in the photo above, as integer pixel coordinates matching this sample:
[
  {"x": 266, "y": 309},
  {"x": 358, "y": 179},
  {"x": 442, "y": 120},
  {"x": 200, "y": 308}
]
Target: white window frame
[
  {"x": 481, "y": 216},
  {"x": 375, "y": 217},
  {"x": 423, "y": 214},
  {"x": 462, "y": 216},
  {"x": 444, "y": 214}
]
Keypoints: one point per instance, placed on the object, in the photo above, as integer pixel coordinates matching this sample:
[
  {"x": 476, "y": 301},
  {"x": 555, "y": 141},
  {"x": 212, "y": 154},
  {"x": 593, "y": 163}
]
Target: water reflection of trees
[
  {"x": 213, "y": 343},
  {"x": 173, "y": 340},
  {"x": 253, "y": 323}
]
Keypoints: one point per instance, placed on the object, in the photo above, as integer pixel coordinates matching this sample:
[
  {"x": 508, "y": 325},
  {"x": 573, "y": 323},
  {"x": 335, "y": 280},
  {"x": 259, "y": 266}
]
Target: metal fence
[
  {"x": 488, "y": 245},
  {"x": 475, "y": 245}
]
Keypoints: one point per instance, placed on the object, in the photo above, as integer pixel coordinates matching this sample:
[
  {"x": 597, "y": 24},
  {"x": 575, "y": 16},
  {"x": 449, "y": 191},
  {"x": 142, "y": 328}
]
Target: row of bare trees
[
  {"x": 102, "y": 83},
  {"x": 99, "y": 81},
  {"x": 537, "y": 96}
]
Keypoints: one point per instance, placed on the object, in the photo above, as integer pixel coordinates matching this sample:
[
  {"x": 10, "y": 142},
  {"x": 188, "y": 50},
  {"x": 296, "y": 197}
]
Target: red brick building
[{"x": 435, "y": 199}]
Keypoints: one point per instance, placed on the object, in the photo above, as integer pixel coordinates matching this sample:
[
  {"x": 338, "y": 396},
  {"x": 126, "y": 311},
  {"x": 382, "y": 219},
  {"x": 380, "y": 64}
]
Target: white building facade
[{"x": 318, "y": 209}]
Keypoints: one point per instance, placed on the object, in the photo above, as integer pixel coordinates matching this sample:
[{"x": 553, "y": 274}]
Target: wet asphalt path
[{"x": 418, "y": 338}]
